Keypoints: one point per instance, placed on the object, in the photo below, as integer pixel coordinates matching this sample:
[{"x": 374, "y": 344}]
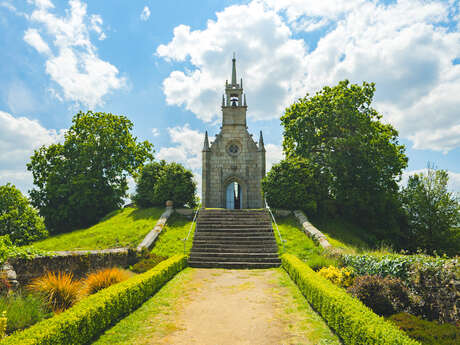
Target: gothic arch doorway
[{"x": 233, "y": 196}]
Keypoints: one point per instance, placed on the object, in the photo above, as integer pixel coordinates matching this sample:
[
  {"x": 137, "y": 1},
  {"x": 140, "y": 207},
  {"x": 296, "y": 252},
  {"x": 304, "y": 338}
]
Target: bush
[
  {"x": 351, "y": 320},
  {"x": 3, "y": 321},
  {"x": 91, "y": 316},
  {"x": 147, "y": 263},
  {"x": 18, "y": 219},
  {"x": 318, "y": 261},
  {"x": 385, "y": 296},
  {"x": 9, "y": 251},
  {"x": 103, "y": 278},
  {"x": 59, "y": 290},
  {"x": 161, "y": 181},
  {"x": 427, "y": 332},
  {"x": 437, "y": 289},
  {"x": 23, "y": 310},
  {"x": 342, "y": 277},
  {"x": 293, "y": 184}
]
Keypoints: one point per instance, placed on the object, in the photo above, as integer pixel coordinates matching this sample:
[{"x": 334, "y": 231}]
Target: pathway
[{"x": 220, "y": 307}]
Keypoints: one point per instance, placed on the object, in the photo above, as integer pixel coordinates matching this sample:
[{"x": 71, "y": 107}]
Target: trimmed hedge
[
  {"x": 94, "y": 314},
  {"x": 352, "y": 321}
]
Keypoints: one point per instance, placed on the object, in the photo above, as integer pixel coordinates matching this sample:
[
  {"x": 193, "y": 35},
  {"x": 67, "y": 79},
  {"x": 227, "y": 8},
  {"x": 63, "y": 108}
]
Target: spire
[
  {"x": 223, "y": 100},
  {"x": 244, "y": 104},
  {"x": 261, "y": 142},
  {"x": 206, "y": 142},
  {"x": 233, "y": 70},
  {"x": 241, "y": 83}
]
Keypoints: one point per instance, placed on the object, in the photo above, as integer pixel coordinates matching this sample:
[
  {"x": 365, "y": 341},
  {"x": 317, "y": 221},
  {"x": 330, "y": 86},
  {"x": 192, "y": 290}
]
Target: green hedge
[
  {"x": 91, "y": 316},
  {"x": 351, "y": 320}
]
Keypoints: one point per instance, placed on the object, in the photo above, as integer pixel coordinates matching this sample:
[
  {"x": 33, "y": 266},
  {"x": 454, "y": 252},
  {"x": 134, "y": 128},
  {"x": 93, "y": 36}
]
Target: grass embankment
[
  {"x": 170, "y": 242},
  {"x": 122, "y": 228}
]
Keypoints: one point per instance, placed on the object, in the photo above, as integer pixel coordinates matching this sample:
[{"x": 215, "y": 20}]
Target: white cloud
[
  {"x": 33, "y": 38},
  {"x": 155, "y": 132},
  {"x": 274, "y": 154},
  {"x": 76, "y": 67},
  {"x": 408, "y": 56},
  {"x": 19, "y": 137},
  {"x": 145, "y": 15},
  {"x": 270, "y": 61}
]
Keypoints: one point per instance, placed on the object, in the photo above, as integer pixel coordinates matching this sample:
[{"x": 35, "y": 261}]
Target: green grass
[
  {"x": 296, "y": 242},
  {"x": 23, "y": 310},
  {"x": 343, "y": 234},
  {"x": 170, "y": 242},
  {"x": 121, "y": 228}
]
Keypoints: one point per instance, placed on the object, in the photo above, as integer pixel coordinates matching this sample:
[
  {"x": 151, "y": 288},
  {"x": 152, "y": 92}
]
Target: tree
[
  {"x": 18, "y": 219},
  {"x": 161, "y": 181},
  {"x": 84, "y": 178},
  {"x": 432, "y": 212},
  {"x": 338, "y": 130},
  {"x": 295, "y": 183}
]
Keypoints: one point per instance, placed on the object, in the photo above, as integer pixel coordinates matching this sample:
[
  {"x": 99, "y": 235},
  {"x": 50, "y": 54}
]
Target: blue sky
[{"x": 163, "y": 64}]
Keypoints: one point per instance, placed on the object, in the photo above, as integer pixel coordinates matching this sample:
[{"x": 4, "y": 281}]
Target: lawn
[
  {"x": 170, "y": 242},
  {"x": 122, "y": 228}
]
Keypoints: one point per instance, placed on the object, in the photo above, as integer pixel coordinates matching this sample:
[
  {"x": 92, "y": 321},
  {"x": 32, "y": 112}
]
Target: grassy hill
[{"x": 121, "y": 228}]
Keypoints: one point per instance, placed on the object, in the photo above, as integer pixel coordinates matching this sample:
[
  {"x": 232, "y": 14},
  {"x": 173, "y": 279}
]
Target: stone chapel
[{"x": 234, "y": 164}]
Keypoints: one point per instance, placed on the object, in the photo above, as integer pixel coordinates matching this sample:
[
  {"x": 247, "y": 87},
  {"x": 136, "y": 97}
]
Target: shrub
[
  {"x": 427, "y": 332},
  {"x": 103, "y": 278},
  {"x": 23, "y": 310},
  {"x": 342, "y": 277},
  {"x": 9, "y": 251},
  {"x": 318, "y": 261},
  {"x": 351, "y": 320},
  {"x": 147, "y": 263},
  {"x": 91, "y": 316},
  {"x": 161, "y": 181},
  {"x": 294, "y": 184},
  {"x": 437, "y": 289},
  {"x": 17, "y": 217},
  {"x": 59, "y": 290},
  {"x": 384, "y": 296}
]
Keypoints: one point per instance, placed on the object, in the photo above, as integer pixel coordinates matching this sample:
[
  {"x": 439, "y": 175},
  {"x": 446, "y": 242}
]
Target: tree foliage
[
  {"x": 295, "y": 183},
  {"x": 338, "y": 130},
  {"x": 18, "y": 219},
  {"x": 161, "y": 181},
  {"x": 432, "y": 212},
  {"x": 84, "y": 178}
]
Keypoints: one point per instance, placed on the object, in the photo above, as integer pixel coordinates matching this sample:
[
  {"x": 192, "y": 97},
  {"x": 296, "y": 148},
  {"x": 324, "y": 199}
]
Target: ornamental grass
[
  {"x": 103, "y": 278},
  {"x": 59, "y": 290}
]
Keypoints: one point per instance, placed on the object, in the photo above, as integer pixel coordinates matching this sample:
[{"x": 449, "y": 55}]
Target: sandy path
[{"x": 232, "y": 307}]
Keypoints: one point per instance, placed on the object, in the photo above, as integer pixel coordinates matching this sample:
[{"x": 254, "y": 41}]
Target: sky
[{"x": 163, "y": 64}]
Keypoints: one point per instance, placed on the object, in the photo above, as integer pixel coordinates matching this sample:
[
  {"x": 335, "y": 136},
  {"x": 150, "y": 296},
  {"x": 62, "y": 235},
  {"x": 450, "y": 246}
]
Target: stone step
[
  {"x": 238, "y": 242},
  {"x": 234, "y": 221},
  {"x": 235, "y": 237},
  {"x": 232, "y": 233},
  {"x": 229, "y": 255},
  {"x": 241, "y": 228},
  {"x": 230, "y": 249},
  {"x": 233, "y": 265}
]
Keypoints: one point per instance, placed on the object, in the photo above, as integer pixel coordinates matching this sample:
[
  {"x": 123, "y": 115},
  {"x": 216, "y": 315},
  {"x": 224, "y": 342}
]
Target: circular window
[{"x": 233, "y": 149}]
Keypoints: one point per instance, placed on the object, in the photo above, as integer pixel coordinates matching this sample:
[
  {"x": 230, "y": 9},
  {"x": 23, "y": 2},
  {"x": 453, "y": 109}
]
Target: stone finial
[
  {"x": 223, "y": 100},
  {"x": 206, "y": 142},
  {"x": 169, "y": 203},
  {"x": 241, "y": 83},
  {"x": 233, "y": 70},
  {"x": 245, "y": 101},
  {"x": 261, "y": 142}
]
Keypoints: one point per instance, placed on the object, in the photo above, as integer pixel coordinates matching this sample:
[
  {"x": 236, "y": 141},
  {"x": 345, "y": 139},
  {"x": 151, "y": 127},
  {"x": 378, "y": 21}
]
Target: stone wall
[{"x": 79, "y": 263}]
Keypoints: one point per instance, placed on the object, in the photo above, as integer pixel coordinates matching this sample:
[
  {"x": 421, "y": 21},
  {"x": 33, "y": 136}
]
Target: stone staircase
[{"x": 234, "y": 239}]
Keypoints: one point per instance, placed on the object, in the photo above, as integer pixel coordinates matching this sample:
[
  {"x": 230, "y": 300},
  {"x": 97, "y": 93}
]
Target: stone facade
[{"x": 234, "y": 156}]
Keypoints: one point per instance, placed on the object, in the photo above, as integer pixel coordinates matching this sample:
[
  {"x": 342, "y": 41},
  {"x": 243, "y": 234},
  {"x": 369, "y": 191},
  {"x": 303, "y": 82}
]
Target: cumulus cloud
[
  {"x": 155, "y": 132},
  {"x": 72, "y": 59},
  {"x": 406, "y": 47},
  {"x": 274, "y": 154},
  {"x": 19, "y": 137},
  {"x": 145, "y": 15}
]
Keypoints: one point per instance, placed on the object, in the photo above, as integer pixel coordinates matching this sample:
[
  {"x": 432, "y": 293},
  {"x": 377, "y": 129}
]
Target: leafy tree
[
  {"x": 161, "y": 181},
  {"x": 18, "y": 219},
  {"x": 338, "y": 130},
  {"x": 84, "y": 178},
  {"x": 295, "y": 183},
  {"x": 433, "y": 212}
]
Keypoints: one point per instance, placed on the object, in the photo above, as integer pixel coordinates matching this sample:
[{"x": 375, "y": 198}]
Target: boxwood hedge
[
  {"x": 94, "y": 314},
  {"x": 351, "y": 320}
]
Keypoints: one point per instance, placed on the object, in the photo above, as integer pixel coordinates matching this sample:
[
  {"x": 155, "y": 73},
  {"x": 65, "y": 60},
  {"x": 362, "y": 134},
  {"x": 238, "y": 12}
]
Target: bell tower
[{"x": 233, "y": 165}]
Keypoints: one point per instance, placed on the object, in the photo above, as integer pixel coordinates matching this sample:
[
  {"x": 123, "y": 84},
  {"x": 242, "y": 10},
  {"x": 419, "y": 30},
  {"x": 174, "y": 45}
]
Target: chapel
[{"x": 233, "y": 164}]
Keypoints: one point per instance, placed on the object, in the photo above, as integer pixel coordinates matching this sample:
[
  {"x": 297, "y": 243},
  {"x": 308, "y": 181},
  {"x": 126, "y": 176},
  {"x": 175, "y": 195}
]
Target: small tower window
[{"x": 234, "y": 100}]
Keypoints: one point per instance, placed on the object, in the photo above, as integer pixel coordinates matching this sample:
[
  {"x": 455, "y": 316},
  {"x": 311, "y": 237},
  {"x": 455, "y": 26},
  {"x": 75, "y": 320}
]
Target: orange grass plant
[
  {"x": 60, "y": 290},
  {"x": 103, "y": 278}
]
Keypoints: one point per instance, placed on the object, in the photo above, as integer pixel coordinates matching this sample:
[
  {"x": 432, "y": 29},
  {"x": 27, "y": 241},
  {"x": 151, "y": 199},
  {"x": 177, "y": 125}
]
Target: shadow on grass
[{"x": 147, "y": 213}]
